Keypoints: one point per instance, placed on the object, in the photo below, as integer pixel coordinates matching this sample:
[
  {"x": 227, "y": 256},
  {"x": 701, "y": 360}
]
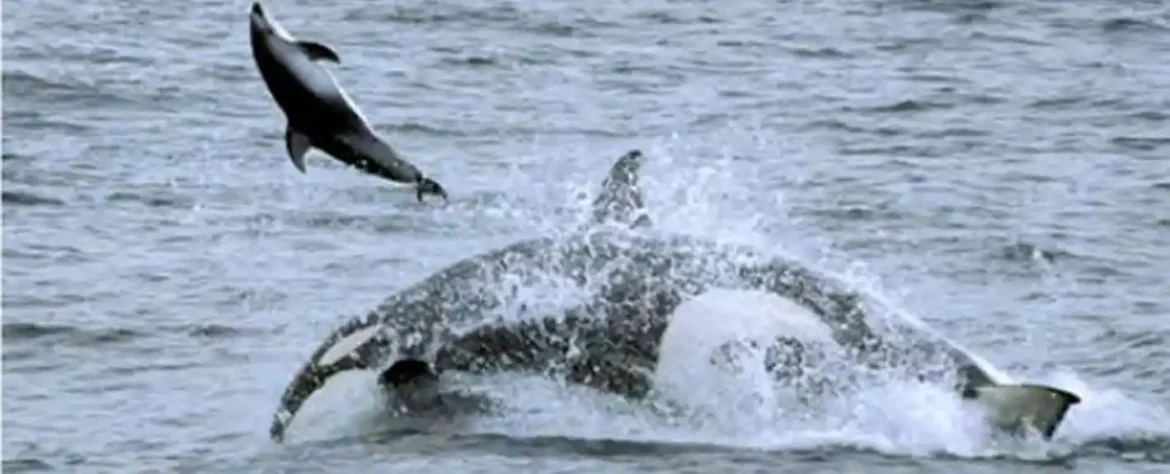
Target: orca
[{"x": 649, "y": 295}]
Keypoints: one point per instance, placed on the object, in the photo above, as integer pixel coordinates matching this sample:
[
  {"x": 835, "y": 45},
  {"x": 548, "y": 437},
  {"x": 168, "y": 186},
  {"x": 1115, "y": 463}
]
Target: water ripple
[{"x": 1003, "y": 163}]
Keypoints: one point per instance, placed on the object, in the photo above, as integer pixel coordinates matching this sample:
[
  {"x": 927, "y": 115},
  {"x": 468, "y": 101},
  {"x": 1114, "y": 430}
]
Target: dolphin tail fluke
[
  {"x": 427, "y": 185},
  {"x": 620, "y": 199},
  {"x": 1018, "y": 407}
]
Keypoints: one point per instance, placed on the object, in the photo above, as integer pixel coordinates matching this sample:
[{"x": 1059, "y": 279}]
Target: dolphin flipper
[
  {"x": 317, "y": 51},
  {"x": 620, "y": 200},
  {"x": 298, "y": 145}
]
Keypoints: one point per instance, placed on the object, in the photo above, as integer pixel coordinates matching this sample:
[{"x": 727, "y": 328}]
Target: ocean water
[{"x": 998, "y": 170}]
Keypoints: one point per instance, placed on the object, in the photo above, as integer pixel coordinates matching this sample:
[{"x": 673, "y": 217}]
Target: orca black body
[{"x": 611, "y": 341}]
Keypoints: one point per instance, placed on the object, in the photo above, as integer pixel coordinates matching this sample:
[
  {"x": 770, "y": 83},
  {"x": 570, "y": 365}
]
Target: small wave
[
  {"x": 1007, "y": 39},
  {"x": 834, "y": 124},
  {"x": 960, "y": 6},
  {"x": 953, "y": 132},
  {"x": 739, "y": 43},
  {"x": 81, "y": 336},
  {"x": 936, "y": 78},
  {"x": 505, "y": 15},
  {"x": 26, "y": 86},
  {"x": 24, "y": 198},
  {"x": 17, "y": 332},
  {"x": 26, "y": 465},
  {"x": 1148, "y": 447},
  {"x": 475, "y": 61},
  {"x": 1151, "y": 115},
  {"x": 1058, "y": 103},
  {"x": 422, "y": 129},
  {"x": 156, "y": 200},
  {"x": 1131, "y": 25},
  {"x": 556, "y": 28},
  {"x": 1138, "y": 448},
  {"x": 893, "y": 150},
  {"x": 825, "y": 52},
  {"x": 901, "y": 44},
  {"x": 10, "y": 156},
  {"x": 333, "y": 220},
  {"x": 219, "y": 331},
  {"x": 971, "y": 18},
  {"x": 674, "y": 18},
  {"x": 151, "y": 367},
  {"x": 42, "y": 122},
  {"x": 263, "y": 223},
  {"x": 909, "y": 105},
  {"x": 1023, "y": 251},
  {"x": 412, "y": 15},
  {"x": 1141, "y": 143},
  {"x": 600, "y": 446},
  {"x": 858, "y": 214}
]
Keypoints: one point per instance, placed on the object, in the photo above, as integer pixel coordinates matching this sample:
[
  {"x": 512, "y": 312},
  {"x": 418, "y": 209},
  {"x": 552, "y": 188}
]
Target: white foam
[{"x": 892, "y": 415}]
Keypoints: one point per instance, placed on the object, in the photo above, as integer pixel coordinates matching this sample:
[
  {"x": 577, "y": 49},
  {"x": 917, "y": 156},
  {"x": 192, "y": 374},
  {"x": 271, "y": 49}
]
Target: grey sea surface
[{"x": 999, "y": 170}]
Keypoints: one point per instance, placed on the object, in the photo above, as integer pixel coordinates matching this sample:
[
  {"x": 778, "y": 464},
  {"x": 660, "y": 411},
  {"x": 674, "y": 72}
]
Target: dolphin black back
[{"x": 306, "y": 112}]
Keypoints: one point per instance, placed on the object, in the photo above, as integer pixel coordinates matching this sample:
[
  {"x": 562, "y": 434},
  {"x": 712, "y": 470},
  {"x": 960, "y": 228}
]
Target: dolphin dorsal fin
[
  {"x": 620, "y": 200},
  {"x": 318, "y": 52}
]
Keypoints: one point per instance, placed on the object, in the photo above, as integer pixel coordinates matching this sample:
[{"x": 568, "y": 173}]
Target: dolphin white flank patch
[
  {"x": 347, "y": 345},
  {"x": 290, "y": 52}
]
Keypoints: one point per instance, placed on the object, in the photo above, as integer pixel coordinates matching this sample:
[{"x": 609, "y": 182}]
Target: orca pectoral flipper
[
  {"x": 310, "y": 378},
  {"x": 354, "y": 346},
  {"x": 317, "y": 51}
]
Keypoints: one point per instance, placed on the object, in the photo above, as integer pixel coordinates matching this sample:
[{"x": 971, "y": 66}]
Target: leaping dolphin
[
  {"x": 656, "y": 293},
  {"x": 320, "y": 114}
]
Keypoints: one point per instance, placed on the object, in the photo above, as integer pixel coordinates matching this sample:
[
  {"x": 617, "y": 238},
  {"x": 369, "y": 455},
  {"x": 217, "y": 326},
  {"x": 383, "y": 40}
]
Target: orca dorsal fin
[
  {"x": 317, "y": 51},
  {"x": 620, "y": 200}
]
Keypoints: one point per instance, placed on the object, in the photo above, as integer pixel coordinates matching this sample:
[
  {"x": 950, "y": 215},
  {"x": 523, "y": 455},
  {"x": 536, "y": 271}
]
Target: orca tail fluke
[
  {"x": 1014, "y": 408},
  {"x": 620, "y": 200}
]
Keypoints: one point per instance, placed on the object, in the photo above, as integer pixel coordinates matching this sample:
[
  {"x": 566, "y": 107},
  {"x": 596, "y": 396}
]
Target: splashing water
[{"x": 893, "y": 415}]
